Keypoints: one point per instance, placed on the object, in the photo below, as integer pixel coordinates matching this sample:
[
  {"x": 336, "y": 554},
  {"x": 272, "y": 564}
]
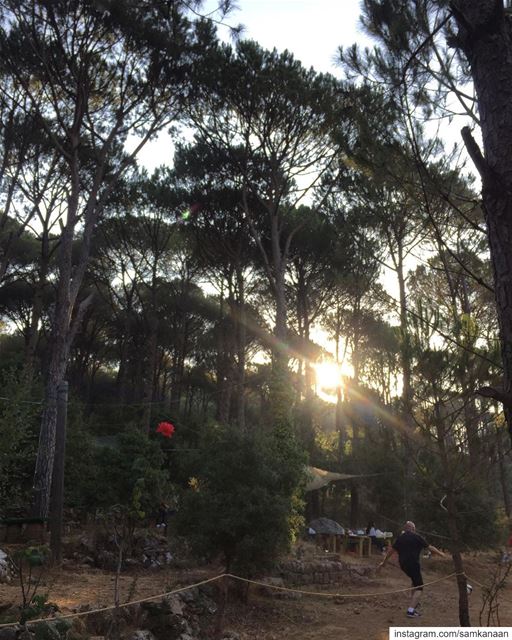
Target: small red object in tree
[{"x": 166, "y": 429}]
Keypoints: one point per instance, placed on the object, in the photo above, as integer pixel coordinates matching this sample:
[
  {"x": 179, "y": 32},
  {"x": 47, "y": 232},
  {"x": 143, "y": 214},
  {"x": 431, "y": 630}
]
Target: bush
[
  {"x": 81, "y": 462},
  {"x": 19, "y": 422},
  {"x": 243, "y": 502},
  {"x": 127, "y": 470}
]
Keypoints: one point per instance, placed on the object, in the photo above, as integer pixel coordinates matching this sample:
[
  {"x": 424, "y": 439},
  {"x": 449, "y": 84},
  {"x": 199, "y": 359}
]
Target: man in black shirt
[{"x": 409, "y": 545}]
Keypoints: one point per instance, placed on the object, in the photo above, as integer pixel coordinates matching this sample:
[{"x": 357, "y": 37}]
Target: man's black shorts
[{"x": 413, "y": 570}]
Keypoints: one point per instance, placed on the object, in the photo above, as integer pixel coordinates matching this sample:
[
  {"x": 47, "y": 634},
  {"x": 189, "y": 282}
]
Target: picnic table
[{"x": 362, "y": 543}]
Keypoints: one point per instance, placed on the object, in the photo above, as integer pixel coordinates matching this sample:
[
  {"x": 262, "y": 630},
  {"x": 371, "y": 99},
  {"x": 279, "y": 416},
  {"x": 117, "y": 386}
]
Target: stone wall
[
  {"x": 321, "y": 572},
  {"x": 188, "y": 615}
]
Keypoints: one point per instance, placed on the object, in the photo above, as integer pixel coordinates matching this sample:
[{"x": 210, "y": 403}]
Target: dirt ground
[{"x": 310, "y": 617}]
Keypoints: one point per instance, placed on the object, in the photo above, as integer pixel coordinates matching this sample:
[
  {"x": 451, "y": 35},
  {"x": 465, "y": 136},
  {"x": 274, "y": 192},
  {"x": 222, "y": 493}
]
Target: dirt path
[
  {"x": 314, "y": 618},
  {"x": 308, "y": 618}
]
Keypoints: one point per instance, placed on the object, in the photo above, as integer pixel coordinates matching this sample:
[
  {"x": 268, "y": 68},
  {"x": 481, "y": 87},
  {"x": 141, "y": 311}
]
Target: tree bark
[
  {"x": 59, "y": 351},
  {"x": 485, "y": 36},
  {"x": 452, "y": 513},
  {"x": 503, "y": 474},
  {"x": 37, "y": 310}
]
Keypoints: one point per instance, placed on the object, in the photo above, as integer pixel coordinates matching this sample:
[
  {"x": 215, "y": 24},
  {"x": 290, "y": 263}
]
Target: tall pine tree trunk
[
  {"x": 503, "y": 473},
  {"x": 448, "y": 466},
  {"x": 59, "y": 351},
  {"x": 149, "y": 377},
  {"x": 37, "y": 308},
  {"x": 485, "y": 36},
  {"x": 281, "y": 391},
  {"x": 241, "y": 333}
]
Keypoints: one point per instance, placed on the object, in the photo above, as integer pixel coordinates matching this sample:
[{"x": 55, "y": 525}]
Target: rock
[
  {"x": 190, "y": 595},
  {"x": 78, "y": 630},
  {"x": 162, "y": 622},
  {"x": 175, "y": 604},
  {"x": 142, "y": 634},
  {"x": 208, "y": 605},
  {"x": 88, "y": 542},
  {"x": 230, "y": 635},
  {"x": 81, "y": 608},
  {"x": 211, "y": 590},
  {"x": 132, "y": 562},
  {"x": 340, "y": 601},
  {"x": 271, "y": 582},
  {"x": 46, "y": 631},
  {"x": 153, "y": 608},
  {"x": 9, "y": 633},
  {"x": 106, "y": 560},
  {"x": 5, "y": 568}
]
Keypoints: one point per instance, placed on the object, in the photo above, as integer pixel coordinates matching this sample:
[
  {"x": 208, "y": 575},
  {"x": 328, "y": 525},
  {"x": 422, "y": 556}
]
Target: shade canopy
[{"x": 320, "y": 478}]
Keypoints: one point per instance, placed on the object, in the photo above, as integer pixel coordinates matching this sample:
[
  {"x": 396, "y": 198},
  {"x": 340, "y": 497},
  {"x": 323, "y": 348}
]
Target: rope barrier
[
  {"x": 119, "y": 606},
  {"x": 337, "y": 595},
  {"x": 214, "y": 579}
]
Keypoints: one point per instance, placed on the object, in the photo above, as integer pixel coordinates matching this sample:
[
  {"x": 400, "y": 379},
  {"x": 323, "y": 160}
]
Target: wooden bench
[{"x": 13, "y": 530}]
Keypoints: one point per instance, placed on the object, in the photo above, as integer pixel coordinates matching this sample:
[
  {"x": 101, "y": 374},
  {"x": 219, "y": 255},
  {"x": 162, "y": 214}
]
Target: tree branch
[
  {"x": 497, "y": 394},
  {"x": 476, "y": 156}
]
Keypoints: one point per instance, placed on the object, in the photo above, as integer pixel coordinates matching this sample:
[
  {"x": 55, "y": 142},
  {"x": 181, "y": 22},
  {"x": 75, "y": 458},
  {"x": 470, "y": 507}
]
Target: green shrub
[
  {"x": 54, "y": 630},
  {"x": 130, "y": 471},
  {"x": 242, "y": 502},
  {"x": 19, "y": 424}
]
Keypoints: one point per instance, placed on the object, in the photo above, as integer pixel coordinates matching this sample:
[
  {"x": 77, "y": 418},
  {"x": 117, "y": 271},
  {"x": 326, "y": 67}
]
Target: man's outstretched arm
[
  {"x": 389, "y": 553},
  {"x": 436, "y": 551}
]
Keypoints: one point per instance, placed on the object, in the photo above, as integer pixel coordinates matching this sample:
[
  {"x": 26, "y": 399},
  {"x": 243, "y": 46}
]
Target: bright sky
[{"x": 311, "y": 29}]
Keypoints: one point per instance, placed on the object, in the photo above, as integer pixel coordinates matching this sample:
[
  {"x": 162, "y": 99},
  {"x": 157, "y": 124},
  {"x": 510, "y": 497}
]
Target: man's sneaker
[{"x": 413, "y": 614}]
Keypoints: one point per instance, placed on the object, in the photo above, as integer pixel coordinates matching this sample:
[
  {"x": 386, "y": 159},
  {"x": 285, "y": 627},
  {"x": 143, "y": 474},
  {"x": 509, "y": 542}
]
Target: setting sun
[{"x": 328, "y": 377}]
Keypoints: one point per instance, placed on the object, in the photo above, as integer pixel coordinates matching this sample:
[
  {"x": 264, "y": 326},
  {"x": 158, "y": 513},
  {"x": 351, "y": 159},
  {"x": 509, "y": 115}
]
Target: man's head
[{"x": 409, "y": 526}]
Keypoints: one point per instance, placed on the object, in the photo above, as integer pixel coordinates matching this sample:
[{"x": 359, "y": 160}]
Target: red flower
[{"x": 166, "y": 429}]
